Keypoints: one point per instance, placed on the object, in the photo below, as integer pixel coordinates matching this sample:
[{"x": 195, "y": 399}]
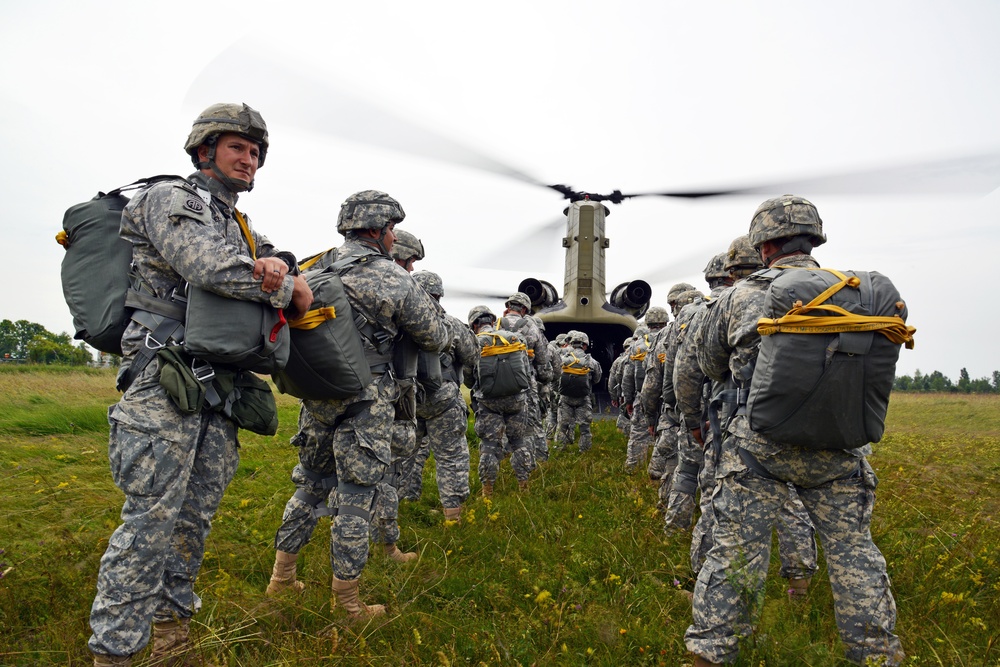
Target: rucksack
[
  {"x": 825, "y": 369},
  {"x": 638, "y": 358},
  {"x": 503, "y": 367},
  {"x": 95, "y": 268},
  {"x": 575, "y": 380},
  {"x": 328, "y": 358}
]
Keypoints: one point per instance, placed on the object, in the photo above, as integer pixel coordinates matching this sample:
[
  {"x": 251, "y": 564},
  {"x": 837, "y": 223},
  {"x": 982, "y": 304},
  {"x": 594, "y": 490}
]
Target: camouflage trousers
[
  {"x": 344, "y": 451},
  {"x": 679, "y": 512},
  {"x": 622, "y": 423},
  {"x": 385, "y": 524},
  {"x": 445, "y": 436},
  {"x": 572, "y": 412},
  {"x": 746, "y": 507},
  {"x": 552, "y": 412},
  {"x": 500, "y": 418},
  {"x": 173, "y": 470},
  {"x": 639, "y": 438},
  {"x": 540, "y": 447},
  {"x": 664, "y": 458},
  {"x": 796, "y": 535}
]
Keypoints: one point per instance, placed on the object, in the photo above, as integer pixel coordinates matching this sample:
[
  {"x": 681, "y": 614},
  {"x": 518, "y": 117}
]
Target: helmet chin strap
[
  {"x": 377, "y": 243},
  {"x": 235, "y": 185},
  {"x": 795, "y": 245}
]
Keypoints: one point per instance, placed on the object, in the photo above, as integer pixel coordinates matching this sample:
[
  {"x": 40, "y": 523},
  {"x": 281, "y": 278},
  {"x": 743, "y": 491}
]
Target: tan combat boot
[
  {"x": 283, "y": 575},
  {"x": 522, "y": 486},
  {"x": 346, "y": 596},
  {"x": 101, "y": 660},
  {"x": 172, "y": 646},
  {"x": 453, "y": 514},
  {"x": 798, "y": 589},
  {"x": 487, "y": 489},
  {"x": 701, "y": 662},
  {"x": 399, "y": 556}
]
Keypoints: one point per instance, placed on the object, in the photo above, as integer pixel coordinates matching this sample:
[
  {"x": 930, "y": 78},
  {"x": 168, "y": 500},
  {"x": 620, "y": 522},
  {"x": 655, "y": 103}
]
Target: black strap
[{"x": 154, "y": 340}]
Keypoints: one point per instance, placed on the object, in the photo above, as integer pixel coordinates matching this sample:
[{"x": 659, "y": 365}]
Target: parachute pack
[
  {"x": 503, "y": 367},
  {"x": 328, "y": 358},
  {"x": 638, "y": 358},
  {"x": 95, "y": 268},
  {"x": 829, "y": 345},
  {"x": 575, "y": 380}
]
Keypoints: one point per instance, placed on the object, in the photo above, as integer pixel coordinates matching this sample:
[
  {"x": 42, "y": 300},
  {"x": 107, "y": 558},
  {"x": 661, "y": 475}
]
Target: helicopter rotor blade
[
  {"x": 318, "y": 106},
  {"x": 978, "y": 174}
]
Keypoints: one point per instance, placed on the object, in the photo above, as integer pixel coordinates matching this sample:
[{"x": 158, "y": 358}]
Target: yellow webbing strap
[
  {"x": 796, "y": 321},
  {"x": 313, "y": 318},
  {"x": 662, "y": 357},
  {"x": 573, "y": 369},
  {"x": 531, "y": 353},
  {"x": 506, "y": 348},
  {"x": 308, "y": 262},
  {"x": 641, "y": 355},
  {"x": 246, "y": 233}
]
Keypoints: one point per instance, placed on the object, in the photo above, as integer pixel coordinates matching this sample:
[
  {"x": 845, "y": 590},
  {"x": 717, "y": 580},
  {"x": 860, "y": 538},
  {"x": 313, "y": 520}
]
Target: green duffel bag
[
  {"x": 251, "y": 335},
  {"x": 327, "y": 358}
]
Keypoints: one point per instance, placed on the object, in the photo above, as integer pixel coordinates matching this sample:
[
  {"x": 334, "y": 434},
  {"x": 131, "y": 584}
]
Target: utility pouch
[
  {"x": 406, "y": 404},
  {"x": 246, "y": 399},
  {"x": 179, "y": 380}
]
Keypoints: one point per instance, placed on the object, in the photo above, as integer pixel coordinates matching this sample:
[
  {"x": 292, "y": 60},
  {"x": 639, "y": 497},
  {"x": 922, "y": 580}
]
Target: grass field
[{"x": 578, "y": 571}]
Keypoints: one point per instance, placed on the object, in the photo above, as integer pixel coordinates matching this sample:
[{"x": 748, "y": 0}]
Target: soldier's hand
[
  {"x": 652, "y": 430},
  {"x": 271, "y": 272},
  {"x": 628, "y": 409},
  {"x": 696, "y": 434},
  {"x": 302, "y": 298},
  {"x": 614, "y": 403}
]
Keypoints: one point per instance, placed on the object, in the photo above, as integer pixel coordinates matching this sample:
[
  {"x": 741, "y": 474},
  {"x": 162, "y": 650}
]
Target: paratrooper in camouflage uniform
[
  {"x": 345, "y": 445},
  {"x": 173, "y": 467},
  {"x": 633, "y": 376},
  {"x": 552, "y": 409},
  {"x": 443, "y": 417},
  {"x": 576, "y": 410},
  {"x": 615, "y": 386},
  {"x": 837, "y": 487}
]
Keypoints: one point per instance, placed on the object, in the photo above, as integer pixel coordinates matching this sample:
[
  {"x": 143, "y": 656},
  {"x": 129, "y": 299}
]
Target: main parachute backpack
[
  {"x": 575, "y": 380},
  {"x": 503, "y": 367},
  {"x": 827, "y": 360},
  {"x": 95, "y": 268},
  {"x": 638, "y": 358}
]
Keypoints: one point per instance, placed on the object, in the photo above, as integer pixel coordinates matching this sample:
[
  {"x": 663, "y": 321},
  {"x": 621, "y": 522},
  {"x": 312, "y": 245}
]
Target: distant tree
[
  {"x": 937, "y": 381},
  {"x": 902, "y": 383},
  {"x": 964, "y": 383},
  {"x": 50, "y": 348},
  {"x": 996, "y": 381},
  {"x": 15, "y": 336}
]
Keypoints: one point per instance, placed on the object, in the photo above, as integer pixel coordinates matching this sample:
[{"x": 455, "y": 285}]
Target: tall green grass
[{"x": 576, "y": 571}]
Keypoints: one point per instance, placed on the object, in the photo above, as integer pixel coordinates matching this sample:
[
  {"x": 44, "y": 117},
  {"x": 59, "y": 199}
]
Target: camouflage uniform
[
  {"x": 344, "y": 445},
  {"x": 577, "y": 410},
  {"x": 615, "y": 388},
  {"x": 538, "y": 348},
  {"x": 639, "y": 439},
  {"x": 552, "y": 391},
  {"x": 442, "y": 422},
  {"x": 173, "y": 468},
  {"x": 503, "y": 424},
  {"x": 837, "y": 487}
]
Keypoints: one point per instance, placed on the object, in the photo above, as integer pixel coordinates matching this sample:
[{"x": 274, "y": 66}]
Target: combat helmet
[
  {"x": 219, "y": 119},
  {"x": 578, "y": 338},
  {"x": 716, "y": 268},
  {"x": 657, "y": 316},
  {"x": 479, "y": 312},
  {"x": 539, "y": 322},
  {"x": 561, "y": 338},
  {"x": 784, "y": 217},
  {"x": 407, "y": 247},
  {"x": 742, "y": 256},
  {"x": 689, "y": 296},
  {"x": 431, "y": 282},
  {"x": 672, "y": 296},
  {"x": 368, "y": 209},
  {"x": 519, "y": 299}
]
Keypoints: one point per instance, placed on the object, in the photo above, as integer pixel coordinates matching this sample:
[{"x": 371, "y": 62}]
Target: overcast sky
[{"x": 641, "y": 96}]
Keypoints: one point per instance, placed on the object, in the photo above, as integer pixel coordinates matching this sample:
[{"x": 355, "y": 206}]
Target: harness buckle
[
  {"x": 152, "y": 343},
  {"x": 203, "y": 371}
]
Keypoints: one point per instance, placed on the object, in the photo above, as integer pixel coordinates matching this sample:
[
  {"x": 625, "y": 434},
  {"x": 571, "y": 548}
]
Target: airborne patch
[{"x": 195, "y": 205}]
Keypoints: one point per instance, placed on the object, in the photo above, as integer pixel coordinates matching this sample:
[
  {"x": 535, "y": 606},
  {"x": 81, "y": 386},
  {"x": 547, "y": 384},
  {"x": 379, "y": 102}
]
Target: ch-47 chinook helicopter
[{"x": 584, "y": 304}]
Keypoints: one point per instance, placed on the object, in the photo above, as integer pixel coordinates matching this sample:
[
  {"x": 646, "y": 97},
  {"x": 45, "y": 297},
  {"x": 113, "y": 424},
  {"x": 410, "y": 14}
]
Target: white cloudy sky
[{"x": 639, "y": 96}]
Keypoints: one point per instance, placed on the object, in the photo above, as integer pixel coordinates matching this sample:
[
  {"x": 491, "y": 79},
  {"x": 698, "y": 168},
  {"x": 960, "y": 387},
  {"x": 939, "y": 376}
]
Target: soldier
[
  {"x": 172, "y": 466},
  {"x": 633, "y": 376},
  {"x": 580, "y": 372},
  {"x": 517, "y": 317},
  {"x": 615, "y": 386},
  {"x": 552, "y": 388},
  {"x": 443, "y": 417},
  {"x": 344, "y": 445},
  {"x": 836, "y": 486},
  {"x": 406, "y": 250},
  {"x": 502, "y": 410}
]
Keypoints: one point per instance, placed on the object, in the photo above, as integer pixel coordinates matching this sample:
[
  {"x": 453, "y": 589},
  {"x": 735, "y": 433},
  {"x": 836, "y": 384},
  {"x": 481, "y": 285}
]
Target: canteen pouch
[
  {"x": 179, "y": 381},
  {"x": 251, "y": 335},
  {"x": 247, "y": 400}
]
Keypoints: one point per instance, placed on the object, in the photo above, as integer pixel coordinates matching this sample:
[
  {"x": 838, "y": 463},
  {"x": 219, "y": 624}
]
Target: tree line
[
  {"x": 938, "y": 382},
  {"x": 24, "y": 341}
]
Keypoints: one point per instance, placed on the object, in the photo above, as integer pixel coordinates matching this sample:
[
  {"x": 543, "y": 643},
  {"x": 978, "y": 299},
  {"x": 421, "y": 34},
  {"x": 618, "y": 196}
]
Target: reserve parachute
[
  {"x": 503, "y": 366},
  {"x": 829, "y": 345}
]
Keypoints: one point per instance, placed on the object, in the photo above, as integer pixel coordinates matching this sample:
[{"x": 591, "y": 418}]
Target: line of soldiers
[{"x": 687, "y": 380}]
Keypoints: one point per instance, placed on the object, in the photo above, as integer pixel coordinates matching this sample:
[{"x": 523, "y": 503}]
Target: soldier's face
[{"x": 235, "y": 156}]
